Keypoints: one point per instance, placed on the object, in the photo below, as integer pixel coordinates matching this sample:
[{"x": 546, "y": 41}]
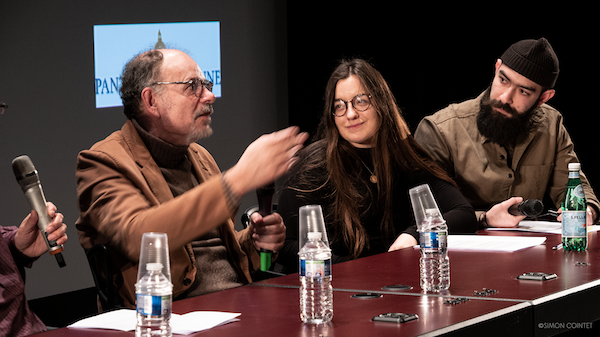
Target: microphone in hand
[
  {"x": 28, "y": 179},
  {"x": 265, "y": 205},
  {"x": 530, "y": 208}
]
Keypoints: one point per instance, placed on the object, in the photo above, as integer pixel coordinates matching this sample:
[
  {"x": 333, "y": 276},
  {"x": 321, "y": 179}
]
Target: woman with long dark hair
[{"x": 360, "y": 168}]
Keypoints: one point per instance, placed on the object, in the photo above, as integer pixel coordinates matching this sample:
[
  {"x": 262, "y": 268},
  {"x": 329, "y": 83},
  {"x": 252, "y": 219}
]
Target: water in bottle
[
  {"x": 154, "y": 295},
  {"x": 574, "y": 216},
  {"x": 316, "y": 292},
  {"x": 434, "y": 262}
]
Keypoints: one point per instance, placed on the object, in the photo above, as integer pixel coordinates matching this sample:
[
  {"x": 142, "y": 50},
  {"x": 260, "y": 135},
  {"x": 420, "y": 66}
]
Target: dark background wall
[
  {"x": 276, "y": 58},
  {"x": 433, "y": 55}
]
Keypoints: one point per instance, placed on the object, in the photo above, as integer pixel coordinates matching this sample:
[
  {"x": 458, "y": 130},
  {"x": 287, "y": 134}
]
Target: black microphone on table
[
  {"x": 265, "y": 207},
  {"x": 28, "y": 179},
  {"x": 529, "y": 208}
]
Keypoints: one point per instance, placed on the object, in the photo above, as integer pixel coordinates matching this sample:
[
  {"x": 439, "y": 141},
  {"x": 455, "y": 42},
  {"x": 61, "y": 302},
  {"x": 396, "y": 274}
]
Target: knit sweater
[{"x": 214, "y": 270}]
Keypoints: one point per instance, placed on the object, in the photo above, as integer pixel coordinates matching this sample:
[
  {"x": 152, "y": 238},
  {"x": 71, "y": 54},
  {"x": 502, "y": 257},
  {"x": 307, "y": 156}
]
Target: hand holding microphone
[
  {"x": 30, "y": 241},
  {"x": 28, "y": 179},
  {"x": 511, "y": 211},
  {"x": 265, "y": 205},
  {"x": 529, "y": 208}
]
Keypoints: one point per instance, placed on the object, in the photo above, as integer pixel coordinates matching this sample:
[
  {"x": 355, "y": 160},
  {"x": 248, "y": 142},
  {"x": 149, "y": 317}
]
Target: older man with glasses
[{"x": 152, "y": 176}]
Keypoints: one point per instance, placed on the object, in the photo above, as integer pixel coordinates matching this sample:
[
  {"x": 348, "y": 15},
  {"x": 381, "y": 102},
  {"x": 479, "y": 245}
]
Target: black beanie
[{"x": 534, "y": 59}]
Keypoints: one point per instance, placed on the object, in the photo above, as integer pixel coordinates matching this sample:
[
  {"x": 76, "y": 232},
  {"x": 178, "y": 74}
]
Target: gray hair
[{"x": 140, "y": 72}]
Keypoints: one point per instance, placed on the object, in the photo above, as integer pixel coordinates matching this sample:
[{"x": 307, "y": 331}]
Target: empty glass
[
  {"x": 154, "y": 249},
  {"x": 311, "y": 220}
]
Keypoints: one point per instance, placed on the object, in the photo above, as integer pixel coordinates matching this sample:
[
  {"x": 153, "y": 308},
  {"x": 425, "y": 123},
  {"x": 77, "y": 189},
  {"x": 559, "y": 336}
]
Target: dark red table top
[
  {"x": 474, "y": 271},
  {"x": 270, "y": 307},
  {"x": 274, "y": 311}
]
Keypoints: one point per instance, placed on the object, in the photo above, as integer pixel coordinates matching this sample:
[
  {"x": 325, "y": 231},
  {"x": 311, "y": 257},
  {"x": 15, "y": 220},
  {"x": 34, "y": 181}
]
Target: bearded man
[{"x": 508, "y": 145}]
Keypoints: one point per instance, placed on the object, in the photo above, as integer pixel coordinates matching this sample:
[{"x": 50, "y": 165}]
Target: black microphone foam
[
  {"x": 28, "y": 179},
  {"x": 530, "y": 208},
  {"x": 265, "y": 199}
]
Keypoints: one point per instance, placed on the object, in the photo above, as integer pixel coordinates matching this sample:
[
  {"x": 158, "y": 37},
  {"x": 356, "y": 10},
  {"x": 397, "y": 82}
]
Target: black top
[{"x": 457, "y": 212}]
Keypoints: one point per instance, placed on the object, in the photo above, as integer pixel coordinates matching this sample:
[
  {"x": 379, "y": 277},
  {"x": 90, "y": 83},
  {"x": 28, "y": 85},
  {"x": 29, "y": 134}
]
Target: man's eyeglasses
[
  {"x": 195, "y": 85},
  {"x": 2, "y": 107},
  {"x": 360, "y": 103}
]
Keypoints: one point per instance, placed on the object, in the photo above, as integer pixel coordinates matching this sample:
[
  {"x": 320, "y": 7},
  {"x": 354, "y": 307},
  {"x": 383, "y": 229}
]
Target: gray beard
[{"x": 206, "y": 132}]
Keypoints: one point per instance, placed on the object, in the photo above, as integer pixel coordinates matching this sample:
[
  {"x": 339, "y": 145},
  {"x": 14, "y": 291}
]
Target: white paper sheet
[
  {"x": 550, "y": 227},
  {"x": 493, "y": 242},
  {"x": 185, "y": 324}
]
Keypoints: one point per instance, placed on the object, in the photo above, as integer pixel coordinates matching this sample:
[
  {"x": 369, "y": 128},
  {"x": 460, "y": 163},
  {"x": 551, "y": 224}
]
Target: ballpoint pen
[{"x": 557, "y": 247}]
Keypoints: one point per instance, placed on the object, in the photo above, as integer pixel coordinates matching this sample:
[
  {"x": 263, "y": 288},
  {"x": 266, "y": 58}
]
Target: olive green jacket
[{"x": 481, "y": 168}]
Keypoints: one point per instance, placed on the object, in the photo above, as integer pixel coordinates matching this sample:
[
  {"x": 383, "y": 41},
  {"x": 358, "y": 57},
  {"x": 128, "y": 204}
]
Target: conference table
[
  {"x": 485, "y": 296},
  {"x": 568, "y": 302}
]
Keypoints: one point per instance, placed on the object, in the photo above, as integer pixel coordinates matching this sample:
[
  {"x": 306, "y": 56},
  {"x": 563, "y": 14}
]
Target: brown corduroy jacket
[{"x": 122, "y": 194}]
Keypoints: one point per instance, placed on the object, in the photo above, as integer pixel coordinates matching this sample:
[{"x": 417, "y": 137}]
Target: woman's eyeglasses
[{"x": 360, "y": 103}]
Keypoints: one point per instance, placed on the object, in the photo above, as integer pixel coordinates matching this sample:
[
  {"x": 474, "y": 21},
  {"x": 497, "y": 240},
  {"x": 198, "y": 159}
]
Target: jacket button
[{"x": 186, "y": 281}]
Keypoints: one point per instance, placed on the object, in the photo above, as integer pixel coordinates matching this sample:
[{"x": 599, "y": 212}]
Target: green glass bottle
[{"x": 574, "y": 212}]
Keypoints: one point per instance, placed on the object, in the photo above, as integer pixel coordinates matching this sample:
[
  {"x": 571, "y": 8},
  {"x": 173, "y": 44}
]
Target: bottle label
[
  {"x": 315, "y": 268},
  {"x": 574, "y": 174},
  {"x": 153, "y": 305},
  {"x": 578, "y": 191},
  {"x": 433, "y": 239},
  {"x": 573, "y": 223}
]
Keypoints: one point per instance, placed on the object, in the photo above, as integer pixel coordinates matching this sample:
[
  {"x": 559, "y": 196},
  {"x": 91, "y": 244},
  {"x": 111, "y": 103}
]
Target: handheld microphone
[
  {"x": 28, "y": 179},
  {"x": 530, "y": 208},
  {"x": 265, "y": 205}
]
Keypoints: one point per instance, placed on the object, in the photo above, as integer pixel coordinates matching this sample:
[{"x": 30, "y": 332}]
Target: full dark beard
[{"x": 502, "y": 130}]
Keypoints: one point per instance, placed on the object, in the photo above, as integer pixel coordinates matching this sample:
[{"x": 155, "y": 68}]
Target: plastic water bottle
[
  {"x": 434, "y": 262},
  {"x": 154, "y": 297},
  {"x": 316, "y": 292},
  {"x": 574, "y": 212}
]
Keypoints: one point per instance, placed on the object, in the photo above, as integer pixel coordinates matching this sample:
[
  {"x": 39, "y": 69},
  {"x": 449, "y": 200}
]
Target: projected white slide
[{"x": 116, "y": 44}]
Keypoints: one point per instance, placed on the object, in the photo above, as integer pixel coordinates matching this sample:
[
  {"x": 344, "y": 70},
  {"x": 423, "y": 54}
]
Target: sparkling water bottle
[
  {"x": 434, "y": 262},
  {"x": 574, "y": 212},
  {"x": 153, "y": 296},
  {"x": 316, "y": 293}
]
